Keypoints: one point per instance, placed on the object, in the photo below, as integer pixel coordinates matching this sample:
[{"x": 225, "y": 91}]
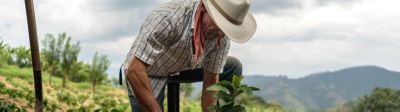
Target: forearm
[
  {"x": 208, "y": 99},
  {"x": 139, "y": 82}
]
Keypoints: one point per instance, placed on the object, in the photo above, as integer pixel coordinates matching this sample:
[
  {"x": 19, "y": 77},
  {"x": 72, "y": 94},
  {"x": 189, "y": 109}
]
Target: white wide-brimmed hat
[{"x": 233, "y": 17}]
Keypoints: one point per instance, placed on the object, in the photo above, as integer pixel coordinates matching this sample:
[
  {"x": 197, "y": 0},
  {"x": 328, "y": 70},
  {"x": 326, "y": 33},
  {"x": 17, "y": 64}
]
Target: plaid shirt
[{"x": 165, "y": 42}]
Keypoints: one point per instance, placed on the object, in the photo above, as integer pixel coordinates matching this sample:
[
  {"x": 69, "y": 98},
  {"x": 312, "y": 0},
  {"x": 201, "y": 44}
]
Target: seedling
[{"x": 226, "y": 94}]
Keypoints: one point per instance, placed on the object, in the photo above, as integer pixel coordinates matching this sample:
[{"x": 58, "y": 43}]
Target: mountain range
[{"x": 322, "y": 90}]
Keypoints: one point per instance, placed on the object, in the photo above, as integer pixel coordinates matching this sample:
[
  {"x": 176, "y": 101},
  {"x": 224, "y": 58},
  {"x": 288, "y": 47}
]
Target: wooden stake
[{"x": 37, "y": 73}]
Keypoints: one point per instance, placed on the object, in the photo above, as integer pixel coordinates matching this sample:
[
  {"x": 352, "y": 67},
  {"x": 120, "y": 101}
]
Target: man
[{"x": 186, "y": 41}]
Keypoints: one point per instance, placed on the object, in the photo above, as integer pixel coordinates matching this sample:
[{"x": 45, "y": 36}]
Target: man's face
[{"x": 209, "y": 29}]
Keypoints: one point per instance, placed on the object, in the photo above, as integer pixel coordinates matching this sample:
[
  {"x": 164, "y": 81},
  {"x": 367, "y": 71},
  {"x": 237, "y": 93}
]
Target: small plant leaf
[
  {"x": 227, "y": 85},
  {"x": 254, "y": 89},
  {"x": 239, "y": 108},
  {"x": 227, "y": 92},
  {"x": 236, "y": 80},
  {"x": 223, "y": 95}
]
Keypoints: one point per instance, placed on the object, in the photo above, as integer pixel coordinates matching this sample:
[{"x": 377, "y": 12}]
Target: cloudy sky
[{"x": 294, "y": 37}]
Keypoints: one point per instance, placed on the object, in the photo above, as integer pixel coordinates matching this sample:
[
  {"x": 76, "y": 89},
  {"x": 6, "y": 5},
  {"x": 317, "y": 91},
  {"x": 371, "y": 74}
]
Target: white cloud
[{"x": 116, "y": 50}]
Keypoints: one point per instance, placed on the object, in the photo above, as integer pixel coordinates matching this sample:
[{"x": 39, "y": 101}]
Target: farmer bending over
[{"x": 186, "y": 41}]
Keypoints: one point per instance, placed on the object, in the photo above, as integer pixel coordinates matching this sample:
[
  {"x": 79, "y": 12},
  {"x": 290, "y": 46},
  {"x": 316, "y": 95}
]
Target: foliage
[
  {"x": 78, "y": 98},
  {"x": 69, "y": 57},
  {"x": 51, "y": 53},
  {"x": 61, "y": 56},
  {"x": 254, "y": 103},
  {"x": 19, "y": 94},
  {"x": 17, "y": 91},
  {"x": 21, "y": 56},
  {"x": 380, "y": 100},
  {"x": 5, "y": 55},
  {"x": 323, "y": 90},
  {"x": 97, "y": 70},
  {"x": 67, "y": 98},
  {"x": 6, "y": 106},
  {"x": 227, "y": 93},
  {"x": 79, "y": 72}
]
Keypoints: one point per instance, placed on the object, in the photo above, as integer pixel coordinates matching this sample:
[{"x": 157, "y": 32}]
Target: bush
[
  {"x": 380, "y": 100},
  {"x": 67, "y": 98},
  {"x": 5, "y": 56},
  {"x": 6, "y": 106}
]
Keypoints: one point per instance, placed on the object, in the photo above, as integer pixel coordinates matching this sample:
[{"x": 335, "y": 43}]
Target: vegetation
[
  {"x": 98, "y": 69},
  {"x": 312, "y": 93},
  {"x": 4, "y": 53},
  {"x": 69, "y": 57},
  {"x": 324, "y": 90},
  {"x": 51, "y": 53},
  {"x": 60, "y": 59},
  {"x": 380, "y": 100},
  {"x": 19, "y": 56},
  {"x": 17, "y": 93},
  {"x": 61, "y": 64},
  {"x": 228, "y": 99}
]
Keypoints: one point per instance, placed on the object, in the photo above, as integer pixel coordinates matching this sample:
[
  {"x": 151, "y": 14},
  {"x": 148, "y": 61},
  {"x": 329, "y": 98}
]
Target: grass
[{"x": 18, "y": 90}]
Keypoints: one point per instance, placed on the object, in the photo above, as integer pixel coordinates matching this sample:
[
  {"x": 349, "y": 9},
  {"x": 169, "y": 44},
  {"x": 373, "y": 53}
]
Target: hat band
[{"x": 234, "y": 21}]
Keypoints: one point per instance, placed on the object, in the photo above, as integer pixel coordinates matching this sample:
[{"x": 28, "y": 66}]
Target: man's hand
[
  {"x": 207, "y": 98},
  {"x": 140, "y": 85}
]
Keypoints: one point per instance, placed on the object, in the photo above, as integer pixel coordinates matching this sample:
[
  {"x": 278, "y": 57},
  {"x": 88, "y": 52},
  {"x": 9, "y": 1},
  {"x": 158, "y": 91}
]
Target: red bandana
[{"x": 198, "y": 39}]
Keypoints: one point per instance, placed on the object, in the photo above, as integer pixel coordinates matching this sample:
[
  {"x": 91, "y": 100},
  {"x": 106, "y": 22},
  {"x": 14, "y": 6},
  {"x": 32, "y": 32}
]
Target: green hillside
[
  {"x": 17, "y": 89},
  {"x": 17, "y": 92},
  {"x": 321, "y": 91}
]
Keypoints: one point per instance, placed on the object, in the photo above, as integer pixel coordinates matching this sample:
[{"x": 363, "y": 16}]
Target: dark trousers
[{"x": 232, "y": 67}]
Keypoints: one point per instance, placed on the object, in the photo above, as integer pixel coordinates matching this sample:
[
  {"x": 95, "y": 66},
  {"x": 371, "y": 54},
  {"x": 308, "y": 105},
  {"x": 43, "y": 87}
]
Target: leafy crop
[{"x": 227, "y": 93}]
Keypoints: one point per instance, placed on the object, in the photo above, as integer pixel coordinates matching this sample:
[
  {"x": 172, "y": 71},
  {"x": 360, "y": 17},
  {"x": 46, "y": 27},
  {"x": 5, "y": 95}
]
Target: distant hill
[{"x": 321, "y": 91}]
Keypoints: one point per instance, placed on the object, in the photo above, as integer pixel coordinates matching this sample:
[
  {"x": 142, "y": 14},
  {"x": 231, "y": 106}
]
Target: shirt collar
[{"x": 196, "y": 4}]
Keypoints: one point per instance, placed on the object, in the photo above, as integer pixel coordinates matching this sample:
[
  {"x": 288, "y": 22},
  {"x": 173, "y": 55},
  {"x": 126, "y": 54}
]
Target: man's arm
[
  {"x": 140, "y": 85},
  {"x": 207, "y": 98}
]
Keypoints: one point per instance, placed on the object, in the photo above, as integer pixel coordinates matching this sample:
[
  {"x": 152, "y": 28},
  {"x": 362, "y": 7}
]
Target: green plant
[
  {"x": 67, "y": 98},
  {"x": 380, "y": 100},
  {"x": 226, "y": 95},
  {"x": 5, "y": 55},
  {"x": 97, "y": 70},
  {"x": 6, "y": 106}
]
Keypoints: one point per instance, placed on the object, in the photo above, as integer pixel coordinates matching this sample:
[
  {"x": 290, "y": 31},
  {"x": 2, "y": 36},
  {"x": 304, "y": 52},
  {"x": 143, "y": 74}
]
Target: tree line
[{"x": 59, "y": 57}]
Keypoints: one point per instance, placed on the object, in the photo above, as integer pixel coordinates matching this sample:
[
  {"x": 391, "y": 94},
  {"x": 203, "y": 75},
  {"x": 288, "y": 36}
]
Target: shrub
[{"x": 6, "y": 106}]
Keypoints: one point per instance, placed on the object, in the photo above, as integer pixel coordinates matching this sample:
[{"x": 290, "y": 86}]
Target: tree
[
  {"x": 79, "y": 72},
  {"x": 69, "y": 57},
  {"x": 380, "y": 100},
  {"x": 52, "y": 51},
  {"x": 21, "y": 56},
  {"x": 5, "y": 55},
  {"x": 98, "y": 68}
]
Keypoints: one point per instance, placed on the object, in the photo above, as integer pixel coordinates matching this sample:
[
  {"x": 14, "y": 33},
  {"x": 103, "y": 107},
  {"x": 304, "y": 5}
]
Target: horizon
[
  {"x": 319, "y": 72},
  {"x": 294, "y": 38}
]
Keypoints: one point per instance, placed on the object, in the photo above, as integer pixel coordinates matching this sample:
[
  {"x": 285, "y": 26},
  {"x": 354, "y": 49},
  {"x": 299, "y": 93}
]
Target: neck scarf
[{"x": 198, "y": 39}]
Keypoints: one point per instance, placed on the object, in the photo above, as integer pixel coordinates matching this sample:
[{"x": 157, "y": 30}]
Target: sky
[{"x": 293, "y": 38}]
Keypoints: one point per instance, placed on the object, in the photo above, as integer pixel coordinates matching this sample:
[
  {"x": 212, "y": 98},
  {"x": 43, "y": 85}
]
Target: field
[
  {"x": 17, "y": 89},
  {"x": 17, "y": 93}
]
